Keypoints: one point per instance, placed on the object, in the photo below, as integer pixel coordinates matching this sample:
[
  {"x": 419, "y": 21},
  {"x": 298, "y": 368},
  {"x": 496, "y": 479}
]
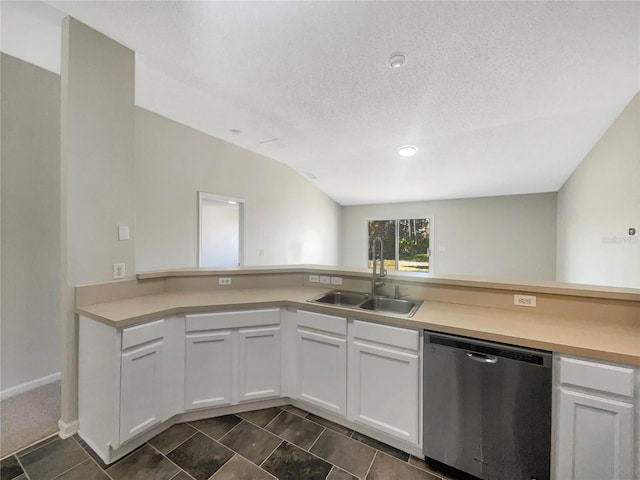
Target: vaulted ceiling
[{"x": 498, "y": 97}]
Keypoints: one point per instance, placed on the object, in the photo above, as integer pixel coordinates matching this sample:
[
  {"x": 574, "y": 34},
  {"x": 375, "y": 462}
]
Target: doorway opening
[{"x": 220, "y": 230}]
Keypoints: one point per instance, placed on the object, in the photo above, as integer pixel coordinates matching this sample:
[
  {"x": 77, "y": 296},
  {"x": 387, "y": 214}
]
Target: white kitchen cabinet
[
  {"x": 385, "y": 379},
  {"x": 259, "y": 351},
  {"x": 321, "y": 353},
  {"x": 594, "y": 420},
  {"x": 127, "y": 380},
  {"x": 208, "y": 369},
  {"x": 232, "y": 357},
  {"x": 140, "y": 390}
]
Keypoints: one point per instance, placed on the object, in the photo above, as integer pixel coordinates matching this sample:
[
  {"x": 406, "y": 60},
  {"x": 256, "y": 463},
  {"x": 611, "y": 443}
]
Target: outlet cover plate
[
  {"x": 324, "y": 279},
  {"x": 224, "y": 281},
  {"x": 524, "y": 300},
  {"x": 118, "y": 271}
]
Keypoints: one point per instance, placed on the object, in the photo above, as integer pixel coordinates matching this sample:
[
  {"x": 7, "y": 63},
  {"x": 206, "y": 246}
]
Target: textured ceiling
[{"x": 499, "y": 97}]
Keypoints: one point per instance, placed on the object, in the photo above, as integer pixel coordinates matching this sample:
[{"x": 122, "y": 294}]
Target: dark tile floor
[{"x": 284, "y": 443}]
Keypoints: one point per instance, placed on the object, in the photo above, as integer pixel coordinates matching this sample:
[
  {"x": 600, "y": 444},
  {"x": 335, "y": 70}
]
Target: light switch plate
[
  {"x": 123, "y": 232},
  {"x": 324, "y": 279},
  {"x": 336, "y": 280}
]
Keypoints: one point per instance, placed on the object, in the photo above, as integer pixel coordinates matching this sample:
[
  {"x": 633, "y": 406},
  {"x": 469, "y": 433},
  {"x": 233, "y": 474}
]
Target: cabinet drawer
[
  {"x": 394, "y": 336},
  {"x": 222, "y": 320},
  {"x": 603, "y": 377},
  {"x": 139, "y": 334},
  {"x": 323, "y": 323}
]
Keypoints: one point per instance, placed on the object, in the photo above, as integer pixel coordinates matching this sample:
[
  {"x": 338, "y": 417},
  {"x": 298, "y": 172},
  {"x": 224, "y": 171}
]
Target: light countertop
[{"x": 616, "y": 341}]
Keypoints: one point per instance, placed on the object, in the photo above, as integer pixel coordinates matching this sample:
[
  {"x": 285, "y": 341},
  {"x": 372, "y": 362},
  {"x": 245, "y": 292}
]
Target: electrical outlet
[
  {"x": 324, "y": 279},
  {"x": 336, "y": 280},
  {"x": 118, "y": 271},
  {"x": 224, "y": 281},
  {"x": 314, "y": 278},
  {"x": 524, "y": 300}
]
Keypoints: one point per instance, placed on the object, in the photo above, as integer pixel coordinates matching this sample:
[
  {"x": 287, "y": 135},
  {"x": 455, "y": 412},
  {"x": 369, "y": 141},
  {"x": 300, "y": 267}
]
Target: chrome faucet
[{"x": 376, "y": 280}]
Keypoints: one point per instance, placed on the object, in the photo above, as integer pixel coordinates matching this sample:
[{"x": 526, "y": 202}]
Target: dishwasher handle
[{"x": 482, "y": 358}]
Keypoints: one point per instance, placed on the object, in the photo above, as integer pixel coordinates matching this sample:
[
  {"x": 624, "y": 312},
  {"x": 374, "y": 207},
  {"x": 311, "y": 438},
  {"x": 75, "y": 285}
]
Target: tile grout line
[
  {"x": 268, "y": 456},
  {"x": 310, "y": 453},
  {"x": 324, "y": 429},
  {"x": 340, "y": 433},
  {"x": 94, "y": 460},
  {"x": 230, "y": 430},
  {"x": 180, "y": 469},
  {"x": 48, "y": 437},
  {"x": 371, "y": 464},
  {"x": 69, "y": 469},
  {"x": 22, "y": 467},
  {"x": 273, "y": 420},
  {"x": 181, "y": 443},
  {"x": 375, "y": 450},
  {"x": 255, "y": 424}
]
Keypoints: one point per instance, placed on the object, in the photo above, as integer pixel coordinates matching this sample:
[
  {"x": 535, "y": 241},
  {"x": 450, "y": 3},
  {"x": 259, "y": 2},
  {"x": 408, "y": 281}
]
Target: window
[
  {"x": 405, "y": 243},
  {"x": 220, "y": 228}
]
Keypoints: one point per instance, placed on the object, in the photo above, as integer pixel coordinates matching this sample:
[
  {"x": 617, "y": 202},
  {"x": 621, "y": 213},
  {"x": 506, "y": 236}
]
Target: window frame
[{"x": 397, "y": 219}]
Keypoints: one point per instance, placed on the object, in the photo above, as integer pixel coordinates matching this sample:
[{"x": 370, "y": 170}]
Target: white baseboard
[
  {"x": 67, "y": 429},
  {"x": 25, "y": 387}
]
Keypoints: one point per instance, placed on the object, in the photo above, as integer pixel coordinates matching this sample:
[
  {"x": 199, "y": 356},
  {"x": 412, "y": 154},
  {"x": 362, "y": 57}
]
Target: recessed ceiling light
[
  {"x": 407, "y": 151},
  {"x": 397, "y": 60}
]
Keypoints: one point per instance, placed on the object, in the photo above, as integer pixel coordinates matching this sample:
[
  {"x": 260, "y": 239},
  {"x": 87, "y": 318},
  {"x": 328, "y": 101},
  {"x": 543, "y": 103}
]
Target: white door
[
  {"x": 322, "y": 371},
  {"x": 140, "y": 390},
  {"x": 386, "y": 390},
  {"x": 595, "y": 438},
  {"x": 209, "y": 369},
  {"x": 259, "y": 363}
]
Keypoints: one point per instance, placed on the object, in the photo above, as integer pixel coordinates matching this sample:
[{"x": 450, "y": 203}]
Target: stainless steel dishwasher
[{"x": 487, "y": 408}]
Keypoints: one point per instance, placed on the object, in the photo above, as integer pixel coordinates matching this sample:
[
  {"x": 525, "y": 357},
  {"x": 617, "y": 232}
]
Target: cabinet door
[
  {"x": 209, "y": 369},
  {"x": 595, "y": 438},
  {"x": 322, "y": 371},
  {"x": 258, "y": 363},
  {"x": 386, "y": 390},
  {"x": 140, "y": 389}
]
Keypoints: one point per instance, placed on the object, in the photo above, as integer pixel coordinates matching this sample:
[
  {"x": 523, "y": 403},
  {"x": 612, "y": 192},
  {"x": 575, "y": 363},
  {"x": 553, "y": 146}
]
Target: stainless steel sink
[
  {"x": 364, "y": 301},
  {"x": 393, "y": 305},
  {"x": 341, "y": 298}
]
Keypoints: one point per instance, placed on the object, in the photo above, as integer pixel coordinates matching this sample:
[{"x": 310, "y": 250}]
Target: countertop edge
[
  {"x": 606, "y": 355},
  {"x": 548, "y": 287}
]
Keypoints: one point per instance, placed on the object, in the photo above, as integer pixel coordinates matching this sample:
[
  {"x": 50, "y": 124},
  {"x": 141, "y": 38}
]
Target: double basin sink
[{"x": 364, "y": 301}]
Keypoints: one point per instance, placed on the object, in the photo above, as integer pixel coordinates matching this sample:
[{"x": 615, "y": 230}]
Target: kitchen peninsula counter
[{"x": 610, "y": 331}]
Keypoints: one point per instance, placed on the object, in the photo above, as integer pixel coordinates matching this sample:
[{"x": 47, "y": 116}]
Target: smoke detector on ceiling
[{"x": 397, "y": 60}]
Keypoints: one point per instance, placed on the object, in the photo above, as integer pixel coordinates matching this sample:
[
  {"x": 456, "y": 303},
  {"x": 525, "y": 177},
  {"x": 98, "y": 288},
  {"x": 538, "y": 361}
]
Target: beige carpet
[{"x": 29, "y": 417}]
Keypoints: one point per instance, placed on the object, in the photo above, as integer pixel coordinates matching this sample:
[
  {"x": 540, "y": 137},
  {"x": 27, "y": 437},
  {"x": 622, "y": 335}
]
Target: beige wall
[
  {"x": 97, "y": 176},
  {"x": 508, "y": 236},
  {"x": 30, "y": 326},
  {"x": 597, "y": 205},
  {"x": 285, "y": 215}
]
